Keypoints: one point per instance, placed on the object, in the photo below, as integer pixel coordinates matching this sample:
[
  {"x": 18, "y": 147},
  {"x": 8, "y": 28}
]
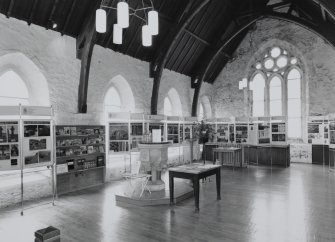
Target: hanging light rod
[
  {"x": 134, "y": 11},
  {"x": 150, "y": 18}
]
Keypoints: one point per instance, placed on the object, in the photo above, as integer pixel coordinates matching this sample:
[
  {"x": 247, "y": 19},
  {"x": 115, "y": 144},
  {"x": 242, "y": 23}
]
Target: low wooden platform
[{"x": 183, "y": 190}]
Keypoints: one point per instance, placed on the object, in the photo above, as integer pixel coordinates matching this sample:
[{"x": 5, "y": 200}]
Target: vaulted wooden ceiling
[{"x": 197, "y": 37}]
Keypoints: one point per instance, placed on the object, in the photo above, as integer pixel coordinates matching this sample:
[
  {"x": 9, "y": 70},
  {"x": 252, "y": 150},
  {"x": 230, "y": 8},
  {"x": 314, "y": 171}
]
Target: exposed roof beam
[
  {"x": 51, "y": 15},
  {"x": 160, "y": 60},
  {"x": 322, "y": 29},
  {"x": 68, "y": 17},
  {"x": 196, "y": 81},
  {"x": 85, "y": 44},
  {"x": 10, "y": 8},
  {"x": 197, "y": 37},
  {"x": 32, "y": 12}
]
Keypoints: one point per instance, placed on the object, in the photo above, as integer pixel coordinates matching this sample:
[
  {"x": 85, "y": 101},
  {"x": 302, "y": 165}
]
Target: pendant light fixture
[
  {"x": 149, "y": 29},
  {"x": 153, "y": 22},
  {"x": 146, "y": 36},
  {"x": 100, "y": 20},
  {"x": 123, "y": 14},
  {"x": 117, "y": 34}
]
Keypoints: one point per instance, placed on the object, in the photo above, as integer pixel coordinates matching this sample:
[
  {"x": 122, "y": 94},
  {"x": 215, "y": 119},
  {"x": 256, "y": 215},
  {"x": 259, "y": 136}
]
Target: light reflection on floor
[{"x": 294, "y": 204}]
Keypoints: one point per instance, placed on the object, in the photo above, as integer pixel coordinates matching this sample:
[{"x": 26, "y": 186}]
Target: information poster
[
  {"x": 37, "y": 143},
  {"x": 9, "y": 145}
]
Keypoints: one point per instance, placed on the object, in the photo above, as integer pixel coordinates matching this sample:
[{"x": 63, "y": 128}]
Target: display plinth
[{"x": 154, "y": 157}]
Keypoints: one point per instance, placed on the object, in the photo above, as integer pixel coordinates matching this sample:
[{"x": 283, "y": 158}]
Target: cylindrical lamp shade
[
  {"x": 146, "y": 36},
  {"x": 153, "y": 22},
  {"x": 117, "y": 34},
  {"x": 123, "y": 14},
  {"x": 100, "y": 21}
]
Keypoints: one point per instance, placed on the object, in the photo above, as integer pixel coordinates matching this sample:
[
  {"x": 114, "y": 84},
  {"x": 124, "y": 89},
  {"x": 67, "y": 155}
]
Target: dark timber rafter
[
  {"x": 10, "y": 8},
  {"x": 198, "y": 68},
  {"x": 68, "y": 17},
  {"x": 317, "y": 26},
  {"x": 85, "y": 44},
  {"x": 160, "y": 60},
  {"x": 51, "y": 16},
  {"x": 32, "y": 12}
]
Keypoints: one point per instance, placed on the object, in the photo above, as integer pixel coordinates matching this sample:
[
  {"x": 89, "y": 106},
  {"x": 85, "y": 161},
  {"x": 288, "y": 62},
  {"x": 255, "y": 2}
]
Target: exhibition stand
[{"x": 26, "y": 141}]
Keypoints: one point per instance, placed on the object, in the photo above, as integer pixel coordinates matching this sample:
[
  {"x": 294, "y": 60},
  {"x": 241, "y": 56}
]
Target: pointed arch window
[
  {"x": 13, "y": 90},
  {"x": 275, "y": 96},
  {"x": 258, "y": 87},
  {"x": 113, "y": 101},
  {"x": 167, "y": 107},
  {"x": 294, "y": 103},
  {"x": 277, "y": 89}
]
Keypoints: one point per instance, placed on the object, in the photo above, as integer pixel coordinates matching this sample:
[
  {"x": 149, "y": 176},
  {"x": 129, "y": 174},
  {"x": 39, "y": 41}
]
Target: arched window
[
  {"x": 257, "y": 87},
  {"x": 13, "y": 90},
  {"x": 201, "y": 114},
  {"x": 275, "y": 96},
  {"x": 294, "y": 103},
  {"x": 277, "y": 75},
  {"x": 172, "y": 104},
  {"x": 167, "y": 107},
  {"x": 113, "y": 101}
]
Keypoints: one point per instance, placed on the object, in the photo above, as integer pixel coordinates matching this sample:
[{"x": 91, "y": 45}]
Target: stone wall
[
  {"x": 55, "y": 58},
  {"x": 46, "y": 62},
  {"x": 318, "y": 59}
]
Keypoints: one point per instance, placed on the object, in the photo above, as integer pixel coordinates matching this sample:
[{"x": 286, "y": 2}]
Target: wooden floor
[{"x": 258, "y": 204}]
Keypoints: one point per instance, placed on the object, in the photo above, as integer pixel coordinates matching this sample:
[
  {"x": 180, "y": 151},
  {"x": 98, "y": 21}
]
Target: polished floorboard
[{"x": 258, "y": 204}]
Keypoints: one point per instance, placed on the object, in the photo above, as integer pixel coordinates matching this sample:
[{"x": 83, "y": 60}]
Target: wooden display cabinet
[{"x": 80, "y": 157}]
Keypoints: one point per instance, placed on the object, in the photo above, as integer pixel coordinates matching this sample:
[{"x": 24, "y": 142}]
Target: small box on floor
[{"x": 49, "y": 234}]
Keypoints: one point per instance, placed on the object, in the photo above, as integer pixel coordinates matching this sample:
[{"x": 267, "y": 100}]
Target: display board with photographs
[
  {"x": 173, "y": 133},
  {"x": 223, "y": 133},
  {"x": 37, "y": 143},
  {"x": 263, "y": 133},
  {"x": 332, "y": 133},
  {"x": 241, "y": 133},
  {"x": 278, "y": 132},
  {"x": 318, "y": 131},
  {"x": 9, "y": 145},
  {"x": 78, "y": 148}
]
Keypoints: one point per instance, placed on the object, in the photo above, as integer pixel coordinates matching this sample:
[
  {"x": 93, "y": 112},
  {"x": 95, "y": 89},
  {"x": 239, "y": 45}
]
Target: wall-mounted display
[
  {"x": 73, "y": 143},
  {"x": 263, "y": 133},
  {"x": 241, "y": 133},
  {"x": 37, "y": 143},
  {"x": 223, "y": 133},
  {"x": 278, "y": 132},
  {"x": 9, "y": 145},
  {"x": 173, "y": 133},
  {"x": 119, "y": 137},
  {"x": 332, "y": 132},
  {"x": 317, "y": 130}
]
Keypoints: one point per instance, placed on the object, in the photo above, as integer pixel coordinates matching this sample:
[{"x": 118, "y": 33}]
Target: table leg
[
  {"x": 196, "y": 192},
  {"x": 171, "y": 186},
  {"x": 218, "y": 183}
]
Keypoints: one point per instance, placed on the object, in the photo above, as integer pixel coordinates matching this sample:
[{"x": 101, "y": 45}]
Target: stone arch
[
  {"x": 30, "y": 74},
  {"x": 124, "y": 90},
  {"x": 173, "y": 95},
  {"x": 204, "y": 100}
]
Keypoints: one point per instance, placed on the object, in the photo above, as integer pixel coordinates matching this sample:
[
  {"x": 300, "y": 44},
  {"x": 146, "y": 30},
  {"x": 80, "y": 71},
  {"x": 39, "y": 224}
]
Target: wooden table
[
  {"x": 231, "y": 154},
  {"x": 195, "y": 172}
]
